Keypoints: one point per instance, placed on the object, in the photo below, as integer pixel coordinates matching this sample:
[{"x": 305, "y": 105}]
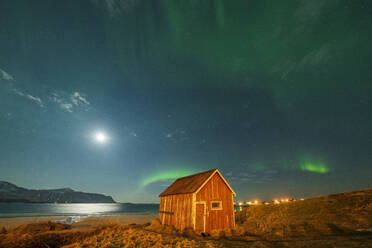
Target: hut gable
[{"x": 192, "y": 184}]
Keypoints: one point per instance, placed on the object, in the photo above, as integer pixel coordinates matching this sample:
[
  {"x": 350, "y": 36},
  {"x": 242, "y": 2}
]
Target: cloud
[
  {"x": 257, "y": 177},
  {"x": 177, "y": 136},
  {"x": 67, "y": 107},
  {"x": 311, "y": 10},
  {"x": 35, "y": 99},
  {"x": 284, "y": 69},
  {"x": 239, "y": 177},
  {"x": 315, "y": 57},
  {"x": 77, "y": 99},
  {"x": 68, "y": 102},
  {"x": 116, "y": 7},
  {"x": 308, "y": 13},
  {"x": 6, "y": 76},
  {"x": 312, "y": 58},
  {"x": 271, "y": 172}
]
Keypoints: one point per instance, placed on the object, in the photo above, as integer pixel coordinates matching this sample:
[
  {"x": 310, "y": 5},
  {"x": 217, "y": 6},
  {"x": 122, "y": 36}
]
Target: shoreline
[
  {"x": 82, "y": 215},
  {"x": 82, "y": 221}
]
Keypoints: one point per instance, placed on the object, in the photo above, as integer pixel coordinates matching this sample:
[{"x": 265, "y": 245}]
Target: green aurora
[
  {"x": 165, "y": 175},
  {"x": 275, "y": 94},
  {"x": 315, "y": 167}
]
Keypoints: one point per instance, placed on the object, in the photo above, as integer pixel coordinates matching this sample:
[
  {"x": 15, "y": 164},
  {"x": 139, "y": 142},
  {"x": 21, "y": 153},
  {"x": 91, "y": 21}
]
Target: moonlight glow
[{"x": 100, "y": 137}]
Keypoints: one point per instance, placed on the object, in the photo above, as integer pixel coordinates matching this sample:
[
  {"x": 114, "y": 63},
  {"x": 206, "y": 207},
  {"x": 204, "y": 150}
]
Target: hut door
[{"x": 200, "y": 218}]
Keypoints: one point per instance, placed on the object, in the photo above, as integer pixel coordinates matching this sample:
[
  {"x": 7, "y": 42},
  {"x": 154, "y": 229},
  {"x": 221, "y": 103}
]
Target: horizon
[
  {"x": 236, "y": 200},
  {"x": 122, "y": 97}
]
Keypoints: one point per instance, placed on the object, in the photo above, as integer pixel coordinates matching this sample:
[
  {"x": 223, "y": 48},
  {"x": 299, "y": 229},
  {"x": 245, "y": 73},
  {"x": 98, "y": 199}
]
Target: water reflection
[
  {"x": 78, "y": 209},
  {"x": 86, "y": 209}
]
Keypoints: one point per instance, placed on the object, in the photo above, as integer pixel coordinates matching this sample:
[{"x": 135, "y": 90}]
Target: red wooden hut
[{"x": 202, "y": 201}]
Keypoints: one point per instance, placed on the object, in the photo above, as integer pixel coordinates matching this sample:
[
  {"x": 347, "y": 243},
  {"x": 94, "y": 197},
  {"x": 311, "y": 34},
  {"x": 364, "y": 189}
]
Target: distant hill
[
  {"x": 328, "y": 215},
  {"x": 12, "y": 193}
]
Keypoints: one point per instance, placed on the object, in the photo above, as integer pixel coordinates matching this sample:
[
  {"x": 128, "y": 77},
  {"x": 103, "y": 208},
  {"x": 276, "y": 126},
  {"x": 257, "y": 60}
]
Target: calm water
[{"x": 10, "y": 210}]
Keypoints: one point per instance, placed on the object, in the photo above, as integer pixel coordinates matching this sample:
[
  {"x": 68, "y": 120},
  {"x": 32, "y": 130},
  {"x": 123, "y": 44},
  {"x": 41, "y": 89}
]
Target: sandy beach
[
  {"x": 317, "y": 222},
  {"x": 85, "y": 222},
  {"x": 104, "y": 231},
  {"x": 137, "y": 231}
]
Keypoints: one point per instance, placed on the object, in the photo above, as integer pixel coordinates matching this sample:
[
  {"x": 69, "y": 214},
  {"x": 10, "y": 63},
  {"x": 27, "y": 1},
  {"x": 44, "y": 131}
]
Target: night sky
[{"x": 123, "y": 96}]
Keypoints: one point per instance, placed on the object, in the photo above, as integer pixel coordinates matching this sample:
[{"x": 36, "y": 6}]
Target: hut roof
[{"x": 192, "y": 183}]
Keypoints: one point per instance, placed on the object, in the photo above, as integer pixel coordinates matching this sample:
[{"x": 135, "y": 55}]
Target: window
[{"x": 216, "y": 205}]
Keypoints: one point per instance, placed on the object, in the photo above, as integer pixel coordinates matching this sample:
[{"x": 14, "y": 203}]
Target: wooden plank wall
[
  {"x": 178, "y": 210},
  {"x": 217, "y": 190}
]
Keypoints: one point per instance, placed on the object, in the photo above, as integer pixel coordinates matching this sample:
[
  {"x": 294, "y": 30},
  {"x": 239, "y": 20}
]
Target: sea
[{"x": 74, "y": 210}]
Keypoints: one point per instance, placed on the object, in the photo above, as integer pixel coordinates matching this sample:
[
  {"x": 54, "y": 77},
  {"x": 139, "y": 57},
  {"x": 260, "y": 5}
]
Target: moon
[{"x": 100, "y": 137}]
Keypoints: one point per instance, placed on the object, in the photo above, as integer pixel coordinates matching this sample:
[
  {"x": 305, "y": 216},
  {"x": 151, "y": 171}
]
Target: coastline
[
  {"x": 82, "y": 222},
  {"x": 126, "y": 231},
  {"x": 317, "y": 222}
]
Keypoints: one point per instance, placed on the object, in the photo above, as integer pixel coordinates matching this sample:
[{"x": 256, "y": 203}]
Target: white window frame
[{"x": 218, "y": 208}]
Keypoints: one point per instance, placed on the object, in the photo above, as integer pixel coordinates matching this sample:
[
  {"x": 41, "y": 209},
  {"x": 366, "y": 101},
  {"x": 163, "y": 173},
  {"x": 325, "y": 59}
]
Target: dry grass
[
  {"x": 47, "y": 234},
  {"x": 330, "y": 221},
  {"x": 51, "y": 235},
  {"x": 340, "y": 214}
]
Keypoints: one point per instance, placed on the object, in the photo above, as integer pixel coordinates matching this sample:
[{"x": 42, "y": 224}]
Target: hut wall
[
  {"x": 217, "y": 190},
  {"x": 176, "y": 210}
]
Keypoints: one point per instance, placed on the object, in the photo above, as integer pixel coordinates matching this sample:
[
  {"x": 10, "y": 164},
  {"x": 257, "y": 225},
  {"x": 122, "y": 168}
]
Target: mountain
[{"x": 12, "y": 193}]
